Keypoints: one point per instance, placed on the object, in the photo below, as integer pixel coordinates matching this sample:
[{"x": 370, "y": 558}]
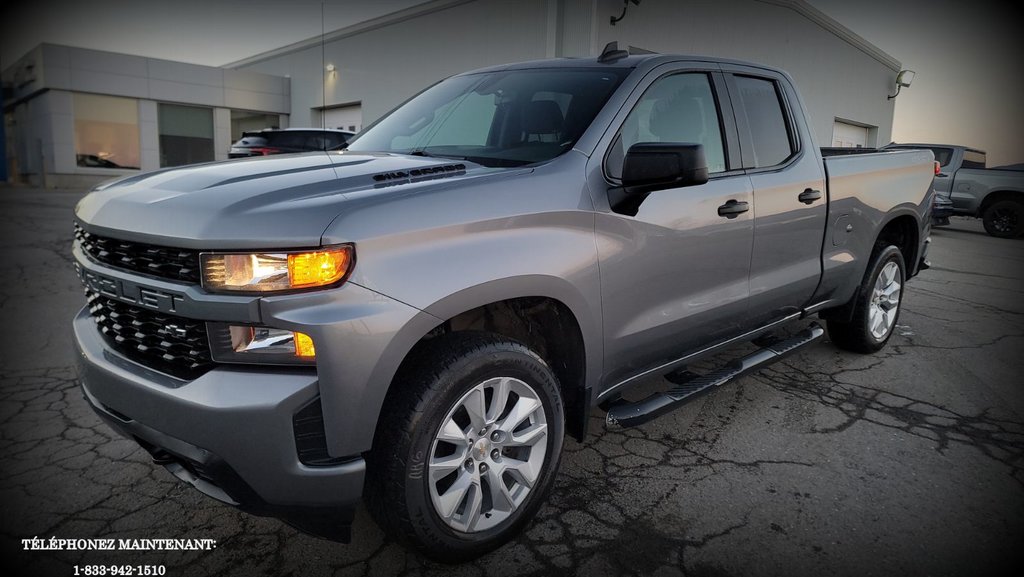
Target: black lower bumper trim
[{"x": 212, "y": 476}]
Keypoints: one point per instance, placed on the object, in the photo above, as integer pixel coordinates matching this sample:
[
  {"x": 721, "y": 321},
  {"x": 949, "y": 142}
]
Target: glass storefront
[
  {"x": 106, "y": 131},
  {"x": 186, "y": 134}
]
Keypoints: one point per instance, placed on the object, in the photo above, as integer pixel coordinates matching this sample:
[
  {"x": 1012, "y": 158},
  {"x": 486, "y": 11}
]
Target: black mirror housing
[{"x": 650, "y": 166}]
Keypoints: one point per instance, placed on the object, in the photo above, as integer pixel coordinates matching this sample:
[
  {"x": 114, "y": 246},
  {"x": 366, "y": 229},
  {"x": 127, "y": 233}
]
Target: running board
[{"x": 689, "y": 385}]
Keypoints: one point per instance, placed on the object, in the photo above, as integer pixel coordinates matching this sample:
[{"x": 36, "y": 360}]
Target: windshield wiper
[{"x": 421, "y": 152}]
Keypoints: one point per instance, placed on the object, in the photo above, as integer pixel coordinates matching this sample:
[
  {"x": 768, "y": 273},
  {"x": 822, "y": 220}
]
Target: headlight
[{"x": 276, "y": 271}]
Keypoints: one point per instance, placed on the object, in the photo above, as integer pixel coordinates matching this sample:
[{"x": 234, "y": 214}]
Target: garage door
[
  {"x": 849, "y": 135},
  {"x": 344, "y": 118}
]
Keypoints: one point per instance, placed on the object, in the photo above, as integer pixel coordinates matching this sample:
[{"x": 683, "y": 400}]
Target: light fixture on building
[
  {"x": 904, "y": 78},
  {"x": 331, "y": 69},
  {"x": 625, "y": 5}
]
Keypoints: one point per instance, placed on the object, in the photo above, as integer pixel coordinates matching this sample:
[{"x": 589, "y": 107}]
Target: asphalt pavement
[{"x": 907, "y": 462}]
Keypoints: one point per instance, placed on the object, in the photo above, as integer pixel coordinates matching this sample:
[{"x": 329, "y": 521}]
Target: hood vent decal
[{"x": 418, "y": 174}]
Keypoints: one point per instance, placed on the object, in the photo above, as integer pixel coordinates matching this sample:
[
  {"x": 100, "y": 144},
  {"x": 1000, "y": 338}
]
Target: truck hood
[{"x": 282, "y": 201}]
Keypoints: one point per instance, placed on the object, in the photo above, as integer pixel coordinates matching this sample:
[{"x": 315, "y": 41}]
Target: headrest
[{"x": 542, "y": 117}]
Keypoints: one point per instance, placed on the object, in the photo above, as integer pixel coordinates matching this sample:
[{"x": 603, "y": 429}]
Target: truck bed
[{"x": 861, "y": 189}]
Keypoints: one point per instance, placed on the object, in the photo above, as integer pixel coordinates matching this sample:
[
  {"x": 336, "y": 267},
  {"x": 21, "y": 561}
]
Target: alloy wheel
[
  {"x": 487, "y": 454},
  {"x": 885, "y": 301}
]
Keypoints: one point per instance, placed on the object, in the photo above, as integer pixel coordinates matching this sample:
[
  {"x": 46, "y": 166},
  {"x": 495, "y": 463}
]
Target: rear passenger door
[
  {"x": 674, "y": 268},
  {"x": 790, "y": 205}
]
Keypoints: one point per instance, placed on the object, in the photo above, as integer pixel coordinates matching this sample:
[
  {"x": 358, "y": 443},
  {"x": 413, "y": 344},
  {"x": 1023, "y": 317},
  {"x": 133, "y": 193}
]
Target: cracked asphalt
[{"x": 907, "y": 462}]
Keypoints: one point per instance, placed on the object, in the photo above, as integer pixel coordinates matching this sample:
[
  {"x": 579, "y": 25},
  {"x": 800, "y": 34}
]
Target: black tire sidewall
[
  {"x": 498, "y": 359},
  {"x": 989, "y": 216}
]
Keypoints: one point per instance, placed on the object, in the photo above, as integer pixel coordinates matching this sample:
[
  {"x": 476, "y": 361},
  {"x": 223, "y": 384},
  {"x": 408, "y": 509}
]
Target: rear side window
[
  {"x": 942, "y": 155},
  {"x": 296, "y": 139},
  {"x": 973, "y": 159},
  {"x": 759, "y": 100},
  {"x": 335, "y": 140},
  {"x": 251, "y": 140}
]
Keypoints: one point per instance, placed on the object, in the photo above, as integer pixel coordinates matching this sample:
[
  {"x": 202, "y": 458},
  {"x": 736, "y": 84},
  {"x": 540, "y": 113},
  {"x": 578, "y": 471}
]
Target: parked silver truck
[
  {"x": 994, "y": 195},
  {"x": 421, "y": 318}
]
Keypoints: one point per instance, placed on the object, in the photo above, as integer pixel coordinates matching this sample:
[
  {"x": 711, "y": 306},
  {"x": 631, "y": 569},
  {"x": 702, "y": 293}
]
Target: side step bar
[{"x": 691, "y": 385}]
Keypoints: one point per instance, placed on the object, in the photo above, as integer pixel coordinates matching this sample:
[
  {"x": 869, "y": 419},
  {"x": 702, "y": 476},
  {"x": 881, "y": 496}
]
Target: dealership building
[{"x": 73, "y": 116}]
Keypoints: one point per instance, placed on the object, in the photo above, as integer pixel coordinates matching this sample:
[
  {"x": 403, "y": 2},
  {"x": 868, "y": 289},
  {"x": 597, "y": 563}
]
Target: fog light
[
  {"x": 304, "y": 345},
  {"x": 259, "y": 345}
]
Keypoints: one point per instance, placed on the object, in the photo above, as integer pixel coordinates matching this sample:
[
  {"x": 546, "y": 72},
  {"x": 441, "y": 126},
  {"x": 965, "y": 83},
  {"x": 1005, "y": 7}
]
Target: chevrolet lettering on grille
[{"x": 128, "y": 291}]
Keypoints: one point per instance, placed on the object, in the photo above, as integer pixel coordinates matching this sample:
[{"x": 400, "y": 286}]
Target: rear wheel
[
  {"x": 468, "y": 450},
  {"x": 1004, "y": 219},
  {"x": 876, "y": 306}
]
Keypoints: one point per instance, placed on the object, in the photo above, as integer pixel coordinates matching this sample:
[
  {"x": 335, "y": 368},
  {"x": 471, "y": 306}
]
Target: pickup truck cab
[
  {"x": 992, "y": 194},
  {"x": 421, "y": 318}
]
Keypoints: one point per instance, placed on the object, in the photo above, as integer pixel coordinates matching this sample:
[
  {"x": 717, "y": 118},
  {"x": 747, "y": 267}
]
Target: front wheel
[
  {"x": 468, "y": 448},
  {"x": 1004, "y": 219},
  {"x": 876, "y": 306}
]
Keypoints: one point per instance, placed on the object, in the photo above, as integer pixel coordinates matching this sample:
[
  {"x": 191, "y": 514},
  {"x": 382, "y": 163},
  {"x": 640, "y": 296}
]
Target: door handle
[
  {"x": 733, "y": 208},
  {"x": 809, "y": 196}
]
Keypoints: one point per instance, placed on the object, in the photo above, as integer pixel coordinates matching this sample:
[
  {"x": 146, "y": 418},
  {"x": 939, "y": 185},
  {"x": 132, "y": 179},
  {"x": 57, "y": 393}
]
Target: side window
[
  {"x": 316, "y": 142},
  {"x": 336, "y": 140},
  {"x": 973, "y": 159},
  {"x": 943, "y": 155},
  {"x": 676, "y": 108},
  {"x": 290, "y": 139},
  {"x": 759, "y": 100}
]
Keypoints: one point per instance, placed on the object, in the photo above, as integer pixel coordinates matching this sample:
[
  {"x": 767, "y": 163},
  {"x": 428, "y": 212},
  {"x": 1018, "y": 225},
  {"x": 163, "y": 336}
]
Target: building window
[
  {"x": 186, "y": 134},
  {"x": 106, "y": 131},
  {"x": 245, "y": 121}
]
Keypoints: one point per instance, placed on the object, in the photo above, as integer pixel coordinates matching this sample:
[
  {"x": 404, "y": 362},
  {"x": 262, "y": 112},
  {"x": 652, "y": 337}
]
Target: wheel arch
[
  {"x": 902, "y": 228},
  {"x": 544, "y": 313},
  {"x": 998, "y": 195}
]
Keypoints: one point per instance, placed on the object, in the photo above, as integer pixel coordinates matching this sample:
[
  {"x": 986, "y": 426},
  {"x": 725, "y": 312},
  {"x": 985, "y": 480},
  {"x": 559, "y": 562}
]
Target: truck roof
[{"x": 630, "y": 61}]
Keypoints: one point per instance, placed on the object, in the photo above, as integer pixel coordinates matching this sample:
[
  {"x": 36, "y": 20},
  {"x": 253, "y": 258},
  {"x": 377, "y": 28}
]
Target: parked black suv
[{"x": 283, "y": 140}]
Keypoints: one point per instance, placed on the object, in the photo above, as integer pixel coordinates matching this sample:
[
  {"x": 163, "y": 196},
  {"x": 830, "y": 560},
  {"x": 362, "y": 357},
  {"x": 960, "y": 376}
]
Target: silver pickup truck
[
  {"x": 419, "y": 320},
  {"x": 994, "y": 195}
]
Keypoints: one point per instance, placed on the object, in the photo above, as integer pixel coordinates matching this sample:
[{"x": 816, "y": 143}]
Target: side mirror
[{"x": 651, "y": 166}]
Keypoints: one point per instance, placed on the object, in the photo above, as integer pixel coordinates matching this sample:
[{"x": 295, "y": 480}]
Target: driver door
[{"x": 674, "y": 273}]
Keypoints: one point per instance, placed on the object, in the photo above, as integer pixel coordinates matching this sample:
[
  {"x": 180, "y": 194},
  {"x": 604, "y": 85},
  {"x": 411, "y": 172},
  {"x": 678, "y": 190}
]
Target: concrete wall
[
  {"x": 382, "y": 67},
  {"x": 836, "y": 78},
  {"x": 44, "y": 82},
  {"x": 80, "y": 70},
  {"x": 839, "y": 74}
]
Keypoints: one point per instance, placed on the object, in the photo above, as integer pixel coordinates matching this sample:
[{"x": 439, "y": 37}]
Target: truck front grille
[
  {"x": 161, "y": 261},
  {"x": 166, "y": 343}
]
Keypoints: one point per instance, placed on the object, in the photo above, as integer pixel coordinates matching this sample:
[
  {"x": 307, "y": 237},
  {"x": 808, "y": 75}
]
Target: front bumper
[{"x": 229, "y": 433}]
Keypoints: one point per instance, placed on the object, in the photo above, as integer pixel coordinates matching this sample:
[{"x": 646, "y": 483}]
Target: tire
[
  {"x": 877, "y": 304},
  {"x": 1004, "y": 219},
  {"x": 432, "y": 478}
]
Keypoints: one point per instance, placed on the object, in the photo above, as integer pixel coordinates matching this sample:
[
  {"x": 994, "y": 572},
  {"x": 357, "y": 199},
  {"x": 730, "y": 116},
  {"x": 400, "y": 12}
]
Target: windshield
[{"x": 506, "y": 118}]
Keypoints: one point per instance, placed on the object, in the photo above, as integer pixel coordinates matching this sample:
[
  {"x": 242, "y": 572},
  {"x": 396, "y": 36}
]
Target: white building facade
[
  {"x": 76, "y": 116},
  {"x": 352, "y": 76}
]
